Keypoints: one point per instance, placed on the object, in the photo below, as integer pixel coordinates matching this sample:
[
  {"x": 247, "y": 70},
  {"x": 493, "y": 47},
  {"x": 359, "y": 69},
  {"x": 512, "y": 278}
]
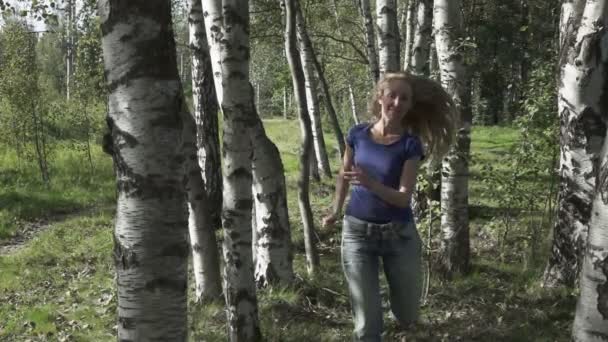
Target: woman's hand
[
  {"x": 329, "y": 220},
  {"x": 357, "y": 176}
]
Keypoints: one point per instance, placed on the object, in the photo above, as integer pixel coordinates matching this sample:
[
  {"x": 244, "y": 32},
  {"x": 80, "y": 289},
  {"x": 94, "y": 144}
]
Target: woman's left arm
[{"x": 400, "y": 198}]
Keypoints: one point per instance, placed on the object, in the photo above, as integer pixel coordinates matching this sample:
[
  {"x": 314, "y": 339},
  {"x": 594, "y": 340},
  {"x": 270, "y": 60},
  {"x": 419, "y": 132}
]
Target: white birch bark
[
  {"x": 388, "y": 36},
  {"x": 591, "y": 318},
  {"x": 410, "y": 24},
  {"x": 455, "y": 248},
  {"x": 370, "y": 40},
  {"x": 581, "y": 135},
  {"x": 353, "y": 104},
  {"x": 205, "y": 255},
  {"x": 312, "y": 258},
  {"x": 227, "y": 28},
  {"x": 422, "y": 39},
  {"x": 273, "y": 247},
  {"x": 312, "y": 99},
  {"x": 150, "y": 236}
]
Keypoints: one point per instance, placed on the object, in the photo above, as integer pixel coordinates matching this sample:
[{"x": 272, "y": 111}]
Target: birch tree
[
  {"x": 410, "y": 23},
  {"x": 297, "y": 75},
  {"x": 273, "y": 247},
  {"x": 150, "y": 235},
  {"x": 581, "y": 133},
  {"x": 588, "y": 77},
  {"x": 455, "y": 248},
  {"x": 312, "y": 99},
  {"x": 227, "y": 30},
  {"x": 202, "y": 141},
  {"x": 419, "y": 64},
  {"x": 370, "y": 40},
  {"x": 388, "y": 36},
  {"x": 204, "y": 102}
]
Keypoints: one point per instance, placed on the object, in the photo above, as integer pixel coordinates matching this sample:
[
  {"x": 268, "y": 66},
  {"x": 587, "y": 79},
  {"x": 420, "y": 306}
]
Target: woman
[{"x": 381, "y": 162}]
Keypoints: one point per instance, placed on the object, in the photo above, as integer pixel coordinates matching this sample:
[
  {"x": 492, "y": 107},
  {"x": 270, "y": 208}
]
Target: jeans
[{"x": 399, "y": 247}]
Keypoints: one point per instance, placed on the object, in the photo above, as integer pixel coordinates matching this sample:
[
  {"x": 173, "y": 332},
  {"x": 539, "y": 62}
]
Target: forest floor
[{"x": 59, "y": 284}]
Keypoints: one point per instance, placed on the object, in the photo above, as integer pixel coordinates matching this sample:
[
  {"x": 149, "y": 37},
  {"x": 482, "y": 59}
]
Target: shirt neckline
[{"x": 368, "y": 133}]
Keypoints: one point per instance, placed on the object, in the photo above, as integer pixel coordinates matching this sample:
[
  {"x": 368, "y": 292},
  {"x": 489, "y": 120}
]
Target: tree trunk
[
  {"x": 422, "y": 39},
  {"x": 388, "y": 36},
  {"x": 591, "y": 319},
  {"x": 150, "y": 236},
  {"x": 331, "y": 111},
  {"x": 353, "y": 104},
  {"x": 202, "y": 225},
  {"x": 581, "y": 134},
  {"x": 583, "y": 97},
  {"x": 205, "y": 106},
  {"x": 312, "y": 257},
  {"x": 410, "y": 24},
  {"x": 285, "y": 106},
  {"x": 272, "y": 243},
  {"x": 455, "y": 174},
  {"x": 227, "y": 28},
  {"x": 312, "y": 99},
  {"x": 370, "y": 40}
]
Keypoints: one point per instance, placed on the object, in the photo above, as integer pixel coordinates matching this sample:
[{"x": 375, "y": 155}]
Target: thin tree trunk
[
  {"x": 285, "y": 105},
  {"x": 388, "y": 36},
  {"x": 312, "y": 99},
  {"x": 331, "y": 111},
  {"x": 353, "y": 104},
  {"x": 227, "y": 28},
  {"x": 150, "y": 236},
  {"x": 581, "y": 133},
  {"x": 202, "y": 224},
  {"x": 455, "y": 248},
  {"x": 410, "y": 23},
  {"x": 312, "y": 257},
  {"x": 205, "y": 106},
  {"x": 422, "y": 39},
  {"x": 370, "y": 40}
]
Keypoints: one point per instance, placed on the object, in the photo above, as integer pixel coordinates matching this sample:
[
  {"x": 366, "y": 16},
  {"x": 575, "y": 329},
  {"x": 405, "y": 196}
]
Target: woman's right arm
[{"x": 342, "y": 186}]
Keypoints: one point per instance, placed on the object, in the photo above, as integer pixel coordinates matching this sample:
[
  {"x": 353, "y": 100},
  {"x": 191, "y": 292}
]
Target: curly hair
[{"x": 432, "y": 117}]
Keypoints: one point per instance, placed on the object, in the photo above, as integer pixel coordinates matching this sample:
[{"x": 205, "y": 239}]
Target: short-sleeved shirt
[{"x": 384, "y": 163}]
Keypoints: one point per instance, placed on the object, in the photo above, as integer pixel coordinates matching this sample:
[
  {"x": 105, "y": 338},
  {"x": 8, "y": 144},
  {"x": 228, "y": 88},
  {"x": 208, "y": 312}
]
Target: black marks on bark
[
  {"x": 173, "y": 285},
  {"x": 124, "y": 257},
  {"x": 602, "y": 289},
  {"x": 197, "y": 248},
  {"x": 128, "y": 323},
  {"x": 179, "y": 250}
]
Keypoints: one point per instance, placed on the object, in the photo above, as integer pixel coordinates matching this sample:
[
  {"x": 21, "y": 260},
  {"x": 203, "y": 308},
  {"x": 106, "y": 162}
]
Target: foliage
[{"x": 524, "y": 191}]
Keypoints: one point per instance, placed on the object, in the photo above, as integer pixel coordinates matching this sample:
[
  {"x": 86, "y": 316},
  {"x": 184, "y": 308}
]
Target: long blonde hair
[{"x": 432, "y": 117}]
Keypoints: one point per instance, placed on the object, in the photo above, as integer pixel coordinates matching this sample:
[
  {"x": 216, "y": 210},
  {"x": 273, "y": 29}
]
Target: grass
[{"x": 60, "y": 287}]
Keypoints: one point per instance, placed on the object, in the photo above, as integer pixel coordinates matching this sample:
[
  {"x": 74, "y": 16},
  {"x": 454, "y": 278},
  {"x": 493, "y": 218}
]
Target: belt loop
[{"x": 369, "y": 229}]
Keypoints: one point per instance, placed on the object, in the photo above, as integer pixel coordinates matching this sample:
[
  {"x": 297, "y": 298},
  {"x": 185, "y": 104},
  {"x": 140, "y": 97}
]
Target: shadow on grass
[{"x": 36, "y": 204}]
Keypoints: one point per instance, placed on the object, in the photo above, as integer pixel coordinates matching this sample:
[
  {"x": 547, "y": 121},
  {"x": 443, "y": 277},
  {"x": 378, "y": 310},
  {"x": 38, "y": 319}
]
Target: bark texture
[
  {"x": 455, "y": 248},
  {"x": 581, "y": 135},
  {"x": 150, "y": 236},
  {"x": 227, "y": 28},
  {"x": 388, "y": 36},
  {"x": 205, "y": 107},
  {"x": 422, "y": 39},
  {"x": 312, "y": 98},
  {"x": 588, "y": 78},
  {"x": 201, "y": 224},
  {"x": 312, "y": 258},
  {"x": 370, "y": 40}
]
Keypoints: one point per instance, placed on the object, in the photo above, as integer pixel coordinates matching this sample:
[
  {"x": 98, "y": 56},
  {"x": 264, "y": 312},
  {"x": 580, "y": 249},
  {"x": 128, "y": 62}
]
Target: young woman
[{"x": 412, "y": 114}]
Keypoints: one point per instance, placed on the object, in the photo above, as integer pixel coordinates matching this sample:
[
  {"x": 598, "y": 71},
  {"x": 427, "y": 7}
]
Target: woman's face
[{"x": 395, "y": 100}]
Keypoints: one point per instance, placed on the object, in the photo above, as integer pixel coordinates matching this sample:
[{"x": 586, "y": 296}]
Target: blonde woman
[{"x": 411, "y": 114}]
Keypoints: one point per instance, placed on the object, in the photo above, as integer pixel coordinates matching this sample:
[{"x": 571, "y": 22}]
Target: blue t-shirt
[{"x": 385, "y": 164}]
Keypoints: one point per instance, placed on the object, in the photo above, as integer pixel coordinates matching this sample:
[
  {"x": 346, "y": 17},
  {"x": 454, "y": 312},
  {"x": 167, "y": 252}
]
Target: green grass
[
  {"x": 61, "y": 285},
  {"x": 74, "y": 186}
]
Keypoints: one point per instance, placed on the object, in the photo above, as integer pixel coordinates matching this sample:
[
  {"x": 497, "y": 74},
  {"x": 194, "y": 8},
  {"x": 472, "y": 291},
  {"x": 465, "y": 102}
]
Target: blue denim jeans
[{"x": 398, "y": 245}]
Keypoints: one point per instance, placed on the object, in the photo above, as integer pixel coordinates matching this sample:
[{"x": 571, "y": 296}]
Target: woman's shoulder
[{"x": 358, "y": 128}]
